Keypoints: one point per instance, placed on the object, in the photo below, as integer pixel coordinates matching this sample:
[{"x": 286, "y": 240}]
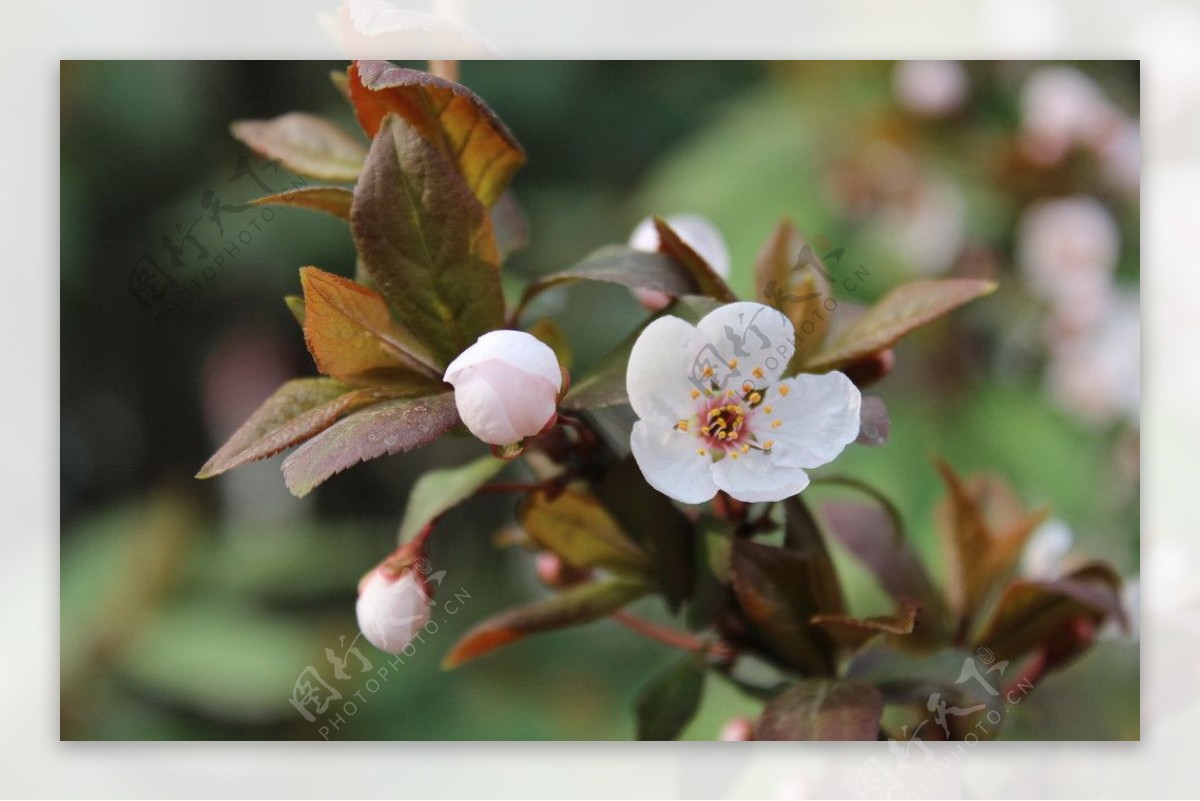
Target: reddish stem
[{"x": 669, "y": 636}]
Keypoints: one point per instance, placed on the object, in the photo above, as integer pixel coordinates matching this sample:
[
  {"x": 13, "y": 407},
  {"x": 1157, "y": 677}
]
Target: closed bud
[
  {"x": 506, "y": 386},
  {"x": 393, "y": 604}
]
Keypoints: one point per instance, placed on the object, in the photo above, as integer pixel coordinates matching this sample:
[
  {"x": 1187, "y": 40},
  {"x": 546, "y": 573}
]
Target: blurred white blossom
[
  {"x": 931, "y": 88},
  {"x": 697, "y": 232}
]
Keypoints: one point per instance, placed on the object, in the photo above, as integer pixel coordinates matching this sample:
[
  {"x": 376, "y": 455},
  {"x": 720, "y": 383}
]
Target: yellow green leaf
[
  {"x": 576, "y": 526},
  {"x": 304, "y": 143}
]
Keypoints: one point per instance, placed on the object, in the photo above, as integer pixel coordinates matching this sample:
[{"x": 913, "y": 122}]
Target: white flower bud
[
  {"x": 506, "y": 386},
  {"x": 391, "y": 609},
  {"x": 697, "y": 233}
]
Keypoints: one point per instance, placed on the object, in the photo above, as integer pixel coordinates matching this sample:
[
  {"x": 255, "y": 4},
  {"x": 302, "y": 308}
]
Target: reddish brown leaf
[
  {"x": 451, "y": 117},
  {"x": 902, "y": 310},
  {"x": 296, "y": 411},
  {"x": 351, "y": 334},
  {"x": 822, "y": 709},
  {"x": 581, "y": 604},
  {"x": 387, "y": 428},
  {"x": 305, "y": 144},
  {"x": 707, "y": 281},
  {"x": 851, "y": 634}
]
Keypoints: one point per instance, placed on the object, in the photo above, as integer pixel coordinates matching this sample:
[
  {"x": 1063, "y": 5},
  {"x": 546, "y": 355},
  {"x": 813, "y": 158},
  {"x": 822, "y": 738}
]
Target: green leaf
[
  {"x": 902, "y": 310},
  {"x": 452, "y": 118},
  {"x": 622, "y": 265},
  {"x": 1030, "y": 613},
  {"x": 333, "y": 200},
  {"x": 295, "y": 305},
  {"x": 870, "y": 535},
  {"x": 305, "y": 144},
  {"x": 774, "y": 589},
  {"x": 352, "y": 336},
  {"x": 653, "y": 521},
  {"x": 576, "y": 527},
  {"x": 386, "y": 428},
  {"x": 583, "y": 603},
  {"x": 438, "y": 491},
  {"x": 299, "y": 409},
  {"x": 822, "y": 709},
  {"x": 426, "y": 242},
  {"x": 670, "y": 700},
  {"x": 706, "y": 279}
]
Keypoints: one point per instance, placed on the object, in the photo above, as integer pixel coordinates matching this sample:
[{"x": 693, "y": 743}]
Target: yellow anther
[
  {"x": 776, "y": 423},
  {"x": 768, "y": 409},
  {"x": 733, "y": 364},
  {"x": 682, "y": 425},
  {"x": 784, "y": 389},
  {"x": 747, "y": 387},
  {"x": 733, "y": 455},
  {"x": 702, "y": 452},
  {"x": 745, "y": 449},
  {"x": 768, "y": 444},
  {"x": 757, "y": 372},
  {"x": 695, "y": 394},
  {"x": 707, "y": 372},
  {"x": 721, "y": 435},
  {"x": 755, "y": 397}
]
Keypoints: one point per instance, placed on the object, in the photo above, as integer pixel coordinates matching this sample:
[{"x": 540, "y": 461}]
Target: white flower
[
  {"x": 506, "y": 386},
  {"x": 715, "y": 414},
  {"x": 697, "y": 233},
  {"x": 391, "y": 609},
  {"x": 1062, "y": 107},
  {"x": 931, "y": 88}
]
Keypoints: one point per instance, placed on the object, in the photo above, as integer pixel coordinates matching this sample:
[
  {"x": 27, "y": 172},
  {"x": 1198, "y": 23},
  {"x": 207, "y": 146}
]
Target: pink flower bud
[
  {"x": 738, "y": 729},
  {"x": 392, "y": 608},
  {"x": 506, "y": 386}
]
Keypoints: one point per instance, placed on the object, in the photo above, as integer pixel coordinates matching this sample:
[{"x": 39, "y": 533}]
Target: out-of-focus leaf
[
  {"x": 387, "y": 428},
  {"x": 706, "y": 279},
  {"x": 426, "y": 242},
  {"x": 869, "y": 533},
  {"x": 605, "y": 385},
  {"x": 822, "y": 709},
  {"x": 352, "y": 336},
  {"x": 620, "y": 264},
  {"x": 670, "y": 700},
  {"x": 510, "y": 224},
  {"x": 1030, "y": 613},
  {"x": 875, "y": 426},
  {"x": 440, "y": 490},
  {"x": 550, "y": 333},
  {"x": 774, "y": 589},
  {"x": 452, "y": 118},
  {"x": 341, "y": 81},
  {"x": 575, "y": 526},
  {"x": 656, "y": 524},
  {"x": 900, "y": 311},
  {"x": 791, "y": 277},
  {"x": 983, "y": 528},
  {"x": 333, "y": 200},
  {"x": 299, "y": 409},
  {"x": 305, "y": 144},
  {"x": 801, "y": 534},
  {"x": 851, "y": 634},
  {"x": 580, "y": 604},
  {"x": 714, "y": 550},
  {"x": 295, "y": 305}
]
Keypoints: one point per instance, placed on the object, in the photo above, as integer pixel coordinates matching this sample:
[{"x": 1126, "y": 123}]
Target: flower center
[
  {"x": 724, "y": 424},
  {"x": 728, "y": 424}
]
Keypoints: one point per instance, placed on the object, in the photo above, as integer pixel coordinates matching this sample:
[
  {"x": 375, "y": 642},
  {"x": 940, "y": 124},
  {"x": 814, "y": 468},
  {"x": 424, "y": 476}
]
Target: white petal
[
  {"x": 754, "y": 477},
  {"x": 644, "y": 236},
  {"x": 704, "y": 238},
  {"x": 390, "y": 612},
  {"x": 752, "y": 335},
  {"x": 482, "y": 409},
  {"x": 517, "y": 348},
  {"x": 819, "y": 417},
  {"x": 669, "y": 461},
  {"x": 660, "y": 366}
]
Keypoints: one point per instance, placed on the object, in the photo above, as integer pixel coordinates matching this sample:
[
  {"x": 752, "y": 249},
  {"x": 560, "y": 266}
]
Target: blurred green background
[{"x": 190, "y": 609}]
